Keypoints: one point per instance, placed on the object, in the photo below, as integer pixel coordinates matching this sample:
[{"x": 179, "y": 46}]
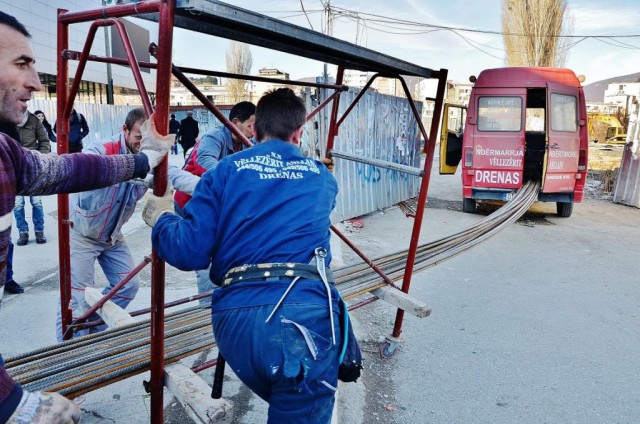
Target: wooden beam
[
  {"x": 401, "y": 300},
  {"x": 195, "y": 395},
  {"x": 112, "y": 314}
]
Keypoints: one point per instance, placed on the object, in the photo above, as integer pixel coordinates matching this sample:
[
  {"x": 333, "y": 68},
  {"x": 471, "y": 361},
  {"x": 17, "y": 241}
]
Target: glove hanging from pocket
[{"x": 350, "y": 359}]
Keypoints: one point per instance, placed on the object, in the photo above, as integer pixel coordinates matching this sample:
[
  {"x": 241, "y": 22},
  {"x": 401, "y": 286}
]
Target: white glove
[
  {"x": 154, "y": 145},
  {"x": 146, "y": 182},
  {"x": 45, "y": 408},
  {"x": 156, "y": 206}
]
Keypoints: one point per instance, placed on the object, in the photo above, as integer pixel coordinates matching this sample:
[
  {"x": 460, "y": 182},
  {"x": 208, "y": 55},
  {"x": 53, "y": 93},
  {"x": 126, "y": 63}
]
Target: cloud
[{"x": 605, "y": 18}]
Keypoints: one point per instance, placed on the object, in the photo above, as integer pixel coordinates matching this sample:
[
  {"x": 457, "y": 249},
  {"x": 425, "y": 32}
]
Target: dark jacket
[
  {"x": 33, "y": 135},
  {"x": 78, "y": 128},
  {"x": 174, "y": 126},
  {"x": 188, "y": 132}
]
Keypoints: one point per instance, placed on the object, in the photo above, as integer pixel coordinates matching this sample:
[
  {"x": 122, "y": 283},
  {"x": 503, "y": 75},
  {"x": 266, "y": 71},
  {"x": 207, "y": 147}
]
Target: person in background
[
  {"x": 33, "y": 136},
  {"x": 98, "y": 217},
  {"x": 78, "y": 130},
  {"x": 212, "y": 147},
  {"x": 174, "y": 128},
  {"x": 28, "y": 172},
  {"x": 189, "y": 131},
  {"x": 10, "y": 286},
  {"x": 47, "y": 126}
]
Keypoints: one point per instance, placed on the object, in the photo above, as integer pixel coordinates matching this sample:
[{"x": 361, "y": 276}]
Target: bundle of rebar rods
[{"x": 88, "y": 363}]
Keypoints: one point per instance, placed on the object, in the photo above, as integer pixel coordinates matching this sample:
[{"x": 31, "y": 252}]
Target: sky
[{"x": 463, "y": 54}]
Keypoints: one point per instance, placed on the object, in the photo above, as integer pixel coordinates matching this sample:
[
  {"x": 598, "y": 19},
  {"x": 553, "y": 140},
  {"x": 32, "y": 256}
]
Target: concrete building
[{"x": 40, "y": 19}]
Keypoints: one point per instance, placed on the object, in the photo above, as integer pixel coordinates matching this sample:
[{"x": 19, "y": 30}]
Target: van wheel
[
  {"x": 468, "y": 205},
  {"x": 564, "y": 209}
]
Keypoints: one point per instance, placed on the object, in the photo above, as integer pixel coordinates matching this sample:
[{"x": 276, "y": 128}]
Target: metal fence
[
  {"x": 627, "y": 189},
  {"x": 379, "y": 127}
]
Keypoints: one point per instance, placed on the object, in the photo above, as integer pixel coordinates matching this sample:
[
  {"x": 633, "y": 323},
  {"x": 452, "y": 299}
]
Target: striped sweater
[{"x": 28, "y": 172}]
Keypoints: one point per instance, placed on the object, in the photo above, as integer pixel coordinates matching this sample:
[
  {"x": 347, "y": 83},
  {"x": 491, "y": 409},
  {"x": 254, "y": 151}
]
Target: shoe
[
  {"x": 13, "y": 287},
  {"x": 40, "y": 238},
  {"x": 23, "y": 239}
]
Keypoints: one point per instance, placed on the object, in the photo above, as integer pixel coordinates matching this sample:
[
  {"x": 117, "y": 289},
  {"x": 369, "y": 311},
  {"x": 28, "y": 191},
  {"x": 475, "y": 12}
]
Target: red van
[{"x": 521, "y": 124}]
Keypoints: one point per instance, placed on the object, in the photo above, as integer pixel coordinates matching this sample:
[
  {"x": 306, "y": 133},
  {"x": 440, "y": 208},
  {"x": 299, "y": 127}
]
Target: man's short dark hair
[
  {"x": 242, "y": 111},
  {"x": 279, "y": 114},
  {"x": 134, "y": 115},
  {"x": 173, "y": 116},
  {"x": 12, "y": 22}
]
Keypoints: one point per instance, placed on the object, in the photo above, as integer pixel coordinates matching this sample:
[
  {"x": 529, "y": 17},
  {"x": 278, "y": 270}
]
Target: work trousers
[
  {"x": 37, "y": 214},
  {"x": 290, "y": 361},
  {"x": 116, "y": 263}
]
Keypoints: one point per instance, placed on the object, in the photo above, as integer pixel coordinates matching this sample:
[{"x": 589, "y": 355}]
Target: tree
[
  {"x": 533, "y": 30},
  {"x": 239, "y": 61}
]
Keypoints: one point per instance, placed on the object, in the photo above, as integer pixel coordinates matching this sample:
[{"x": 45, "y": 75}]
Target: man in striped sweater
[{"x": 27, "y": 172}]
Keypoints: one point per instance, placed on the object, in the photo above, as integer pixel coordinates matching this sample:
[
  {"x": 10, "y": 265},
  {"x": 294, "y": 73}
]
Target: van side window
[
  {"x": 564, "y": 112},
  {"x": 499, "y": 113}
]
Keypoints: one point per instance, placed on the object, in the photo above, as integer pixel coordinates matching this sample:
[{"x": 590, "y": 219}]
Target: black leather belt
[{"x": 273, "y": 272}]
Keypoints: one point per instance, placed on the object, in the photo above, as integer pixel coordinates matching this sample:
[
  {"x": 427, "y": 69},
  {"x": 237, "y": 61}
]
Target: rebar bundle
[{"x": 90, "y": 362}]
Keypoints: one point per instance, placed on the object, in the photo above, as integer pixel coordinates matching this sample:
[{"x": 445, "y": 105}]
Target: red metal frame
[{"x": 165, "y": 68}]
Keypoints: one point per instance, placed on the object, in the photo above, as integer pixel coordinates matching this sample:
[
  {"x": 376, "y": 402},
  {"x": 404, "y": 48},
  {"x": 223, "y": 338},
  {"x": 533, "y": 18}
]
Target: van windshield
[
  {"x": 499, "y": 113},
  {"x": 564, "y": 112}
]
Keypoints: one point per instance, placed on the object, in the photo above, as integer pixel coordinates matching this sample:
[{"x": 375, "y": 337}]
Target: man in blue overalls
[{"x": 261, "y": 219}]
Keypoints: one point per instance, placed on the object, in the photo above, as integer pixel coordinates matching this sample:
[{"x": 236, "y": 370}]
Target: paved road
[{"x": 540, "y": 324}]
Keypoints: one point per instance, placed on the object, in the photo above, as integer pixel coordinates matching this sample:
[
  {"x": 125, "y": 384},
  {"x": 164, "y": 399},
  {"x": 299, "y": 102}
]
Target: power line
[
  {"x": 305, "y": 14},
  {"x": 380, "y": 18}
]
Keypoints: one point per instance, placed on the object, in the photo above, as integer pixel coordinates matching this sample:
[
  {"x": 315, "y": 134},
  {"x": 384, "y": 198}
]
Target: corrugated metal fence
[
  {"x": 627, "y": 190},
  {"x": 379, "y": 127}
]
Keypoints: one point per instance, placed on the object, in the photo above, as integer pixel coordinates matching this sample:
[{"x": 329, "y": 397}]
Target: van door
[
  {"x": 451, "y": 132},
  {"x": 497, "y": 146},
  {"x": 563, "y": 147}
]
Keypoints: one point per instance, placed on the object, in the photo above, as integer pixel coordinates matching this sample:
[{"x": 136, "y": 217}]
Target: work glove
[
  {"x": 329, "y": 163},
  {"x": 154, "y": 145},
  {"x": 156, "y": 206},
  {"x": 45, "y": 408}
]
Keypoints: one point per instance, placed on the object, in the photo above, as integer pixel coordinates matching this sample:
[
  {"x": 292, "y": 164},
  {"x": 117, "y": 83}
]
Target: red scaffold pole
[{"x": 161, "y": 117}]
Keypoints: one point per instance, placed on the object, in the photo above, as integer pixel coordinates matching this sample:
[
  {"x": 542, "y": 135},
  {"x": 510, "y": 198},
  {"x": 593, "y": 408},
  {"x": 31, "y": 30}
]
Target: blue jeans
[
  {"x": 38, "y": 214},
  {"x": 116, "y": 262},
  {"x": 10, "y": 262},
  {"x": 290, "y": 361}
]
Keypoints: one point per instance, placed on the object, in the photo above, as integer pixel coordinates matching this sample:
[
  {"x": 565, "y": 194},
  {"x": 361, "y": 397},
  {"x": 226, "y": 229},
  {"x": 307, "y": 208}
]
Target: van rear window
[
  {"x": 499, "y": 113},
  {"x": 564, "y": 112}
]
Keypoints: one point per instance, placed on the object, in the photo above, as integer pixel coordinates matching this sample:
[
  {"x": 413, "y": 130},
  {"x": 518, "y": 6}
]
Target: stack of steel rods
[
  {"x": 87, "y": 363},
  {"x": 359, "y": 279}
]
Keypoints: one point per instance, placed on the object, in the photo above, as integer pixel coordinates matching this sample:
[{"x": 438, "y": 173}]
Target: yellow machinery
[{"x": 605, "y": 128}]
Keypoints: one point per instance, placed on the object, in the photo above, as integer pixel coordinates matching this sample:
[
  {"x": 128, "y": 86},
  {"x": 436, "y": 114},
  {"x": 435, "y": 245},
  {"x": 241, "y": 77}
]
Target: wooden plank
[
  {"x": 195, "y": 395},
  {"x": 112, "y": 314},
  {"x": 403, "y": 301}
]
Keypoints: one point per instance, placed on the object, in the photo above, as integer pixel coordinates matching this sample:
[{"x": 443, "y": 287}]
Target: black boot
[
  {"x": 13, "y": 287},
  {"x": 40, "y": 238},
  {"x": 23, "y": 239}
]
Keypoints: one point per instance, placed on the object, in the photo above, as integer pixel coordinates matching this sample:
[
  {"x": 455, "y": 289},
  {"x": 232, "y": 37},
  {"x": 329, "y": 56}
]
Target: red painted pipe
[
  {"x": 430, "y": 142},
  {"x": 163, "y": 89},
  {"x": 62, "y": 125}
]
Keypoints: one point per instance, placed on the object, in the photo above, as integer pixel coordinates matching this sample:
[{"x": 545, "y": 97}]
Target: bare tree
[
  {"x": 532, "y": 32},
  {"x": 239, "y": 61}
]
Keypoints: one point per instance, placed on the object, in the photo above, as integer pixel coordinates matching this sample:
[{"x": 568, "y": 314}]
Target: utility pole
[
  {"x": 107, "y": 48},
  {"x": 328, "y": 30}
]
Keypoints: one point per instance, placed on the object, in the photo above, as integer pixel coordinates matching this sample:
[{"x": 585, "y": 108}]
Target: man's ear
[
  {"x": 254, "y": 131},
  {"x": 124, "y": 128},
  {"x": 297, "y": 135}
]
